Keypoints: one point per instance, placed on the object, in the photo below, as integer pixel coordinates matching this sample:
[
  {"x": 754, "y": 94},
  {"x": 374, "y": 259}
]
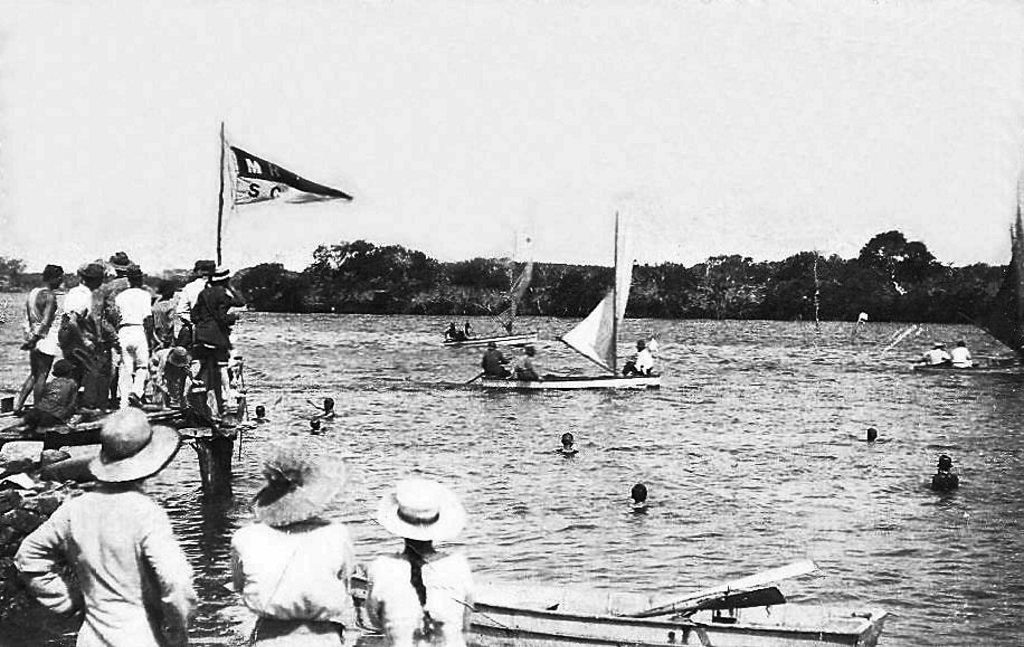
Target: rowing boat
[
  {"x": 575, "y": 383},
  {"x": 508, "y": 340}
]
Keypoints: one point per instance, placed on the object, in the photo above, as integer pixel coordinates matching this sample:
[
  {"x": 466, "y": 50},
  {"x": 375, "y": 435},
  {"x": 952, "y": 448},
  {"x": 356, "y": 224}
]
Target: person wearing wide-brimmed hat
[
  {"x": 292, "y": 567},
  {"x": 937, "y": 356},
  {"x": 213, "y": 319},
  {"x": 135, "y": 316},
  {"x": 134, "y": 580},
  {"x": 170, "y": 376},
  {"x": 422, "y": 595},
  {"x": 42, "y": 325}
]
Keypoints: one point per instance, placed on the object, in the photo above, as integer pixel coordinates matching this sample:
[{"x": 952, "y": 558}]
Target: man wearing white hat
[{"x": 136, "y": 585}]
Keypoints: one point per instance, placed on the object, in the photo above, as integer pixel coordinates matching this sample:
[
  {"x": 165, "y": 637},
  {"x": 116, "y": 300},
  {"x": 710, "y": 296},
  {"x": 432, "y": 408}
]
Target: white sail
[{"x": 594, "y": 337}]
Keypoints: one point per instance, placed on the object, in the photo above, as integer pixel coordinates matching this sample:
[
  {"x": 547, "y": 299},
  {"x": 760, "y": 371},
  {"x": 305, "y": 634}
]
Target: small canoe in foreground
[
  {"x": 980, "y": 368},
  {"x": 575, "y": 383},
  {"x": 519, "y": 615},
  {"x": 520, "y": 339}
]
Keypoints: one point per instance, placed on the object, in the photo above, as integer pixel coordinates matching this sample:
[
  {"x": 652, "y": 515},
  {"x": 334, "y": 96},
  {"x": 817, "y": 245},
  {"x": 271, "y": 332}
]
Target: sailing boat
[
  {"x": 1005, "y": 321},
  {"x": 595, "y": 339},
  {"x": 507, "y": 317}
]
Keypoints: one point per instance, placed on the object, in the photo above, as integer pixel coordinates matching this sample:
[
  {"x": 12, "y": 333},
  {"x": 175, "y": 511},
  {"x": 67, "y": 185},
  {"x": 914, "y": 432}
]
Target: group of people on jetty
[
  {"x": 293, "y": 568},
  {"x": 112, "y": 342}
]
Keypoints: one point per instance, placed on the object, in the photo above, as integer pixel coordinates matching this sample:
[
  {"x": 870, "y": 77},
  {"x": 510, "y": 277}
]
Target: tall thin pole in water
[
  {"x": 817, "y": 289},
  {"x": 220, "y": 196},
  {"x": 615, "y": 302}
]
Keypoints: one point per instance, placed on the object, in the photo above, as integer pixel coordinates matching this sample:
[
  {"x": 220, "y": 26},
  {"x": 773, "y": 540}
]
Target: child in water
[
  {"x": 639, "y": 496},
  {"x": 261, "y": 414},
  {"x": 944, "y": 480},
  {"x": 328, "y": 408},
  {"x": 568, "y": 447}
]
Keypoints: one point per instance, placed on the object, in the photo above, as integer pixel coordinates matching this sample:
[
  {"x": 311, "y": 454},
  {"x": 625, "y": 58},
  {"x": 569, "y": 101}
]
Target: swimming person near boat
[
  {"x": 944, "y": 479},
  {"x": 493, "y": 363},
  {"x": 326, "y": 410},
  {"x": 642, "y": 364},
  {"x": 568, "y": 447},
  {"x": 960, "y": 357},
  {"x": 526, "y": 369},
  {"x": 42, "y": 325},
  {"x": 132, "y": 583},
  {"x": 292, "y": 567},
  {"x": 638, "y": 494},
  {"x": 937, "y": 356},
  {"x": 421, "y": 596}
]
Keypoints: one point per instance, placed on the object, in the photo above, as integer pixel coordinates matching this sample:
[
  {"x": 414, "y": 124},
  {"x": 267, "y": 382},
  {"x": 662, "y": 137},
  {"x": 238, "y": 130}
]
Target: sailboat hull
[
  {"x": 524, "y": 338},
  {"x": 575, "y": 383}
]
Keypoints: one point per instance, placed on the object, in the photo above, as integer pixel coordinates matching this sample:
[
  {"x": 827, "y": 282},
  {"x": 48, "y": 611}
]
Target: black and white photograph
[{"x": 511, "y": 323}]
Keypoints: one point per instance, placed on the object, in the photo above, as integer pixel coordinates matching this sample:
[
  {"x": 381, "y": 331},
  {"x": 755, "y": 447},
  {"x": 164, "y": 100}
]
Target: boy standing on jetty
[{"x": 136, "y": 585}]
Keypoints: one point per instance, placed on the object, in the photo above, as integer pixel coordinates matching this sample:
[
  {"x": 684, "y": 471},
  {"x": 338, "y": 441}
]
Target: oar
[
  {"x": 743, "y": 584},
  {"x": 480, "y": 375}
]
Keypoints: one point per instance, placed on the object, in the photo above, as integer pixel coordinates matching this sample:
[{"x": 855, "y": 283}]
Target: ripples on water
[{"x": 753, "y": 453}]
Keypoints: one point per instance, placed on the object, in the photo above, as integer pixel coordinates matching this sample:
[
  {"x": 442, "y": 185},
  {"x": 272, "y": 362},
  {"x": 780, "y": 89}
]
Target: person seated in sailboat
[
  {"x": 526, "y": 370},
  {"x": 960, "y": 357},
  {"x": 642, "y": 364},
  {"x": 453, "y": 333},
  {"x": 937, "y": 356},
  {"x": 467, "y": 330},
  {"x": 494, "y": 362}
]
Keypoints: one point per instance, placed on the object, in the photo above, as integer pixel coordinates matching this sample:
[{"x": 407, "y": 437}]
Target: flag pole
[{"x": 220, "y": 197}]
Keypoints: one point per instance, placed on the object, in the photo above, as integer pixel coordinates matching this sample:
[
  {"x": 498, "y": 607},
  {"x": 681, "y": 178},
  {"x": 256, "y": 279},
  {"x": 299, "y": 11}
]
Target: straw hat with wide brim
[
  {"x": 130, "y": 449},
  {"x": 421, "y": 509},
  {"x": 300, "y": 483}
]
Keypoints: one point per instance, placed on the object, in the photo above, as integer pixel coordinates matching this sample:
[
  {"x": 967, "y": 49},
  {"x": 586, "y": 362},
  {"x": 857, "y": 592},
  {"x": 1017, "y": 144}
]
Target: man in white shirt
[
  {"x": 188, "y": 296},
  {"x": 642, "y": 364},
  {"x": 135, "y": 307},
  {"x": 960, "y": 356},
  {"x": 937, "y": 355}
]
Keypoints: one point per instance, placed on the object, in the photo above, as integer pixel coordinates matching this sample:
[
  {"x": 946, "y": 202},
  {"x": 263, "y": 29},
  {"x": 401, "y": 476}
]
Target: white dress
[{"x": 393, "y": 605}]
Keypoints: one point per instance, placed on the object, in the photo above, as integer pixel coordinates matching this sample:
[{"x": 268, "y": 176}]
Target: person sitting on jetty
[
  {"x": 526, "y": 370},
  {"x": 292, "y": 567},
  {"x": 960, "y": 357},
  {"x": 568, "y": 447},
  {"x": 937, "y": 356},
  {"x": 493, "y": 363},
  {"x": 639, "y": 495},
  {"x": 944, "y": 479},
  {"x": 170, "y": 376},
  {"x": 60, "y": 396},
  {"x": 42, "y": 326},
  {"x": 135, "y": 312},
  {"x": 421, "y": 596},
  {"x": 642, "y": 364},
  {"x": 133, "y": 582}
]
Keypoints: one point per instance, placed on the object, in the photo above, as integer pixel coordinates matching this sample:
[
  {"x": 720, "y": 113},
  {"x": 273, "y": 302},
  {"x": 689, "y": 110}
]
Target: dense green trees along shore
[{"x": 892, "y": 279}]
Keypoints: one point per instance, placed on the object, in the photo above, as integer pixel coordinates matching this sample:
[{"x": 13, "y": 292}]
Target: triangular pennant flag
[{"x": 254, "y": 179}]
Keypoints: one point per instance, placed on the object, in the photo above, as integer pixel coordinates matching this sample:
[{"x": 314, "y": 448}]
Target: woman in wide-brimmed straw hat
[
  {"x": 134, "y": 581},
  {"x": 421, "y": 596},
  {"x": 292, "y": 568}
]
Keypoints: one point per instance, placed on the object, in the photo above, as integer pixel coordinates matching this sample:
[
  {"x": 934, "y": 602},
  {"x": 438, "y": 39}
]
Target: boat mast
[
  {"x": 615, "y": 302},
  {"x": 220, "y": 196}
]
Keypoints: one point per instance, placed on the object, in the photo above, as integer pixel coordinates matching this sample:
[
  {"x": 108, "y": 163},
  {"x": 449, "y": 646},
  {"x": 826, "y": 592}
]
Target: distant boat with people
[{"x": 596, "y": 339}]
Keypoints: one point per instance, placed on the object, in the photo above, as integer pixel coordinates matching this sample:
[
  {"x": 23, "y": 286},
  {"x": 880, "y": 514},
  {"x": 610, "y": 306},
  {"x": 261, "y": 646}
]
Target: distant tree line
[{"x": 892, "y": 279}]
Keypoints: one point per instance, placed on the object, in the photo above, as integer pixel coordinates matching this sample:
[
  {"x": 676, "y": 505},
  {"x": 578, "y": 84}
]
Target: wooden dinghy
[
  {"x": 983, "y": 366},
  {"x": 531, "y": 616},
  {"x": 83, "y": 433},
  {"x": 506, "y": 340},
  {"x": 576, "y": 383}
]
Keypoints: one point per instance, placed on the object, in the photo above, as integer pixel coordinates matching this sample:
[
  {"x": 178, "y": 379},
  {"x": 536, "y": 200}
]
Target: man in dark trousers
[{"x": 212, "y": 322}]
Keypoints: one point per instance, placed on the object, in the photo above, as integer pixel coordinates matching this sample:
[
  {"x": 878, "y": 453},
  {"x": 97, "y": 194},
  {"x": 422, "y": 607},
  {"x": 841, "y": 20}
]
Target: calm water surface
[{"x": 753, "y": 453}]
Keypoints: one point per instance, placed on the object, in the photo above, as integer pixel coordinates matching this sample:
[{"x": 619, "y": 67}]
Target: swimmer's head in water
[
  {"x": 567, "y": 439},
  {"x": 314, "y": 424},
  {"x": 261, "y": 411},
  {"x": 872, "y": 434},
  {"x": 328, "y": 404},
  {"x": 945, "y": 463},
  {"x": 639, "y": 493}
]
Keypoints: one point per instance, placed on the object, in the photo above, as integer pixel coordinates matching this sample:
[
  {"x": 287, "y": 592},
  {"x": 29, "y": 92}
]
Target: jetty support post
[{"x": 214, "y": 449}]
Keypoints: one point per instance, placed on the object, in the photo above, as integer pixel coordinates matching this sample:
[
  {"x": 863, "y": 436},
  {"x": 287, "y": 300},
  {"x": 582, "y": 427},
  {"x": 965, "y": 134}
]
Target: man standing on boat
[
  {"x": 136, "y": 316},
  {"x": 494, "y": 362}
]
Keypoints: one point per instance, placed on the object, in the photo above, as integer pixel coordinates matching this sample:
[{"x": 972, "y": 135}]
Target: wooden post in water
[{"x": 214, "y": 448}]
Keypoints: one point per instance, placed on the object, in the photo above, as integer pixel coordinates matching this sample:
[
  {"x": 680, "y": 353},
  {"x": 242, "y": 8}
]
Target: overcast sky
[{"x": 758, "y": 128}]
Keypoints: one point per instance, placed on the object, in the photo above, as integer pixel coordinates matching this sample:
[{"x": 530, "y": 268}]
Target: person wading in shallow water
[
  {"x": 134, "y": 585},
  {"x": 944, "y": 479},
  {"x": 292, "y": 567},
  {"x": 421, "y": 596}
]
